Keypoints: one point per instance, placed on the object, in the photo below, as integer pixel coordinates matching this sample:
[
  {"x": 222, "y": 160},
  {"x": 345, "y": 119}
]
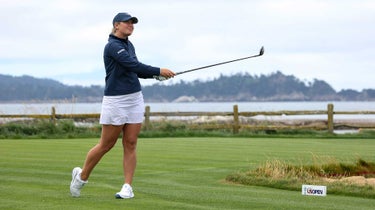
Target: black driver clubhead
[{"x": 261, "y": 51}]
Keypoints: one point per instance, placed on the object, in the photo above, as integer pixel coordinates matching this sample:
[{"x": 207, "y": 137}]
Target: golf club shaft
[{"x": 217, "y": 64}]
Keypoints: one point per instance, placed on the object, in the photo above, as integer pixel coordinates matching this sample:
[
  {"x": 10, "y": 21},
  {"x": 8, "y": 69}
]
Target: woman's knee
[
  {"x": 105, "y": 147},
  {"x": 109, "y": 137},
  {"x": 130, "y": 143},
  {"x": 130, "y": 136}
]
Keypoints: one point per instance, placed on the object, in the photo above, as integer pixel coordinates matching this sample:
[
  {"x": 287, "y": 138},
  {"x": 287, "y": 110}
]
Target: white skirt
[{"x": 123, "y": 109}]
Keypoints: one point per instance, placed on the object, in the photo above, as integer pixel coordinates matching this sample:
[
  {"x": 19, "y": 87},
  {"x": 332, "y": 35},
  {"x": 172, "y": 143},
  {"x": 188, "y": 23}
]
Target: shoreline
[{"x": 341, "y": 125}]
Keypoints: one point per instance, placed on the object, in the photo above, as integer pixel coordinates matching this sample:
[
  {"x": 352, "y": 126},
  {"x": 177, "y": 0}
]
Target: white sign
[{"x": 314, "y": 190}]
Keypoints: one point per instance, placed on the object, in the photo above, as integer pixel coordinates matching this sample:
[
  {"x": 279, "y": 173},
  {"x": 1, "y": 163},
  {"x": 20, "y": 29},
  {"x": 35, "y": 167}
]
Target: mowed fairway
[{"x": 172, "y": 173}]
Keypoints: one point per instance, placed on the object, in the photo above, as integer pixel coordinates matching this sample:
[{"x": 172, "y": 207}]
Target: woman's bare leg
[
  {"x": 129, "y": 142},
  {"x": 109, "y": 136}
]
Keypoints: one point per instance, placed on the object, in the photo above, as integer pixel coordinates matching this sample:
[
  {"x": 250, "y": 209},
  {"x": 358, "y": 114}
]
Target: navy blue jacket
[{"x": 123, "y": 68}]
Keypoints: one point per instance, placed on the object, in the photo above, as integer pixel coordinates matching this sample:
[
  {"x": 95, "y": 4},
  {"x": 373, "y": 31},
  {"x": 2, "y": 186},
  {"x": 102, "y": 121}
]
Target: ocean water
[{"x": 88, "y": 108}]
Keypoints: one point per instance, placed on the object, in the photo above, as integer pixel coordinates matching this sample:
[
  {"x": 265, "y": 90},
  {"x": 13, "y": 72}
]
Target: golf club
[{"x": 261, "y": 52}]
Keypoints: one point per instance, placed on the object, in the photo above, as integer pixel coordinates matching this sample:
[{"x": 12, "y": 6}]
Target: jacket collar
[{"x": 111, "y": 37}]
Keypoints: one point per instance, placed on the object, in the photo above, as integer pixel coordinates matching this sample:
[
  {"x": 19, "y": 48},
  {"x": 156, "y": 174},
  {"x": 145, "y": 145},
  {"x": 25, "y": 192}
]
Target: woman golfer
[{"x": 122, "y": 106}]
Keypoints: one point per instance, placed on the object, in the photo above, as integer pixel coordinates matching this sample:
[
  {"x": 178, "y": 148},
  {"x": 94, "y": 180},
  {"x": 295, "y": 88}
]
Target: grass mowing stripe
[{"x": 172, "y": 173}]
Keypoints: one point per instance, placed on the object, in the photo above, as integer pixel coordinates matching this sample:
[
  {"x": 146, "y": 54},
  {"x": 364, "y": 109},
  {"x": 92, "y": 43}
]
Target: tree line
[
  {"x": 238, "y": 87},
  {"x": 245, "y": 87}
]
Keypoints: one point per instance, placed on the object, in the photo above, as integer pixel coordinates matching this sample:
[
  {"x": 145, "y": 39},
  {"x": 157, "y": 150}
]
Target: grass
[
  {"x": 172, "y": 173},
  {"x": 45, "y": 129},
  {"x": 67, "y": 129},
  {"x": 332, "y": 173}
]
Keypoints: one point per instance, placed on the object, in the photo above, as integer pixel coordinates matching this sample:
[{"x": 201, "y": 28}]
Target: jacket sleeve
[{"x": 128, "y": 60}]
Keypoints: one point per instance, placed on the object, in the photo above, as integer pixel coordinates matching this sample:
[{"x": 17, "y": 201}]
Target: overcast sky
[{"x": 331, "y": 40}]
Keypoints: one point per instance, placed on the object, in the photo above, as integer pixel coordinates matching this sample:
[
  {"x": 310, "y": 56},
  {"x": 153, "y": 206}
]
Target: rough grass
[
  {"x": 68, "y": 129},
  {"x": 45, "y": 129},
  {"x": 331, "y": 172}
]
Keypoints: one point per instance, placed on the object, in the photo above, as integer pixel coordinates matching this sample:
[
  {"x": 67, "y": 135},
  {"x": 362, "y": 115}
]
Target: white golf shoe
[
  {"x": 76, "y": 184},
  {"x": 126, "y": 192}
]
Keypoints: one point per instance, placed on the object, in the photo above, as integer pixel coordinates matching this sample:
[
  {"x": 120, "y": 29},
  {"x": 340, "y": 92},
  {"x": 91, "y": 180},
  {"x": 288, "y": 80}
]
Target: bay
[{"x": 88, "y": 108}]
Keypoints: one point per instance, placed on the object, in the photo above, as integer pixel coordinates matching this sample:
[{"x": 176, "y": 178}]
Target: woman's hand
[{"x": 165, "y": 74}]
